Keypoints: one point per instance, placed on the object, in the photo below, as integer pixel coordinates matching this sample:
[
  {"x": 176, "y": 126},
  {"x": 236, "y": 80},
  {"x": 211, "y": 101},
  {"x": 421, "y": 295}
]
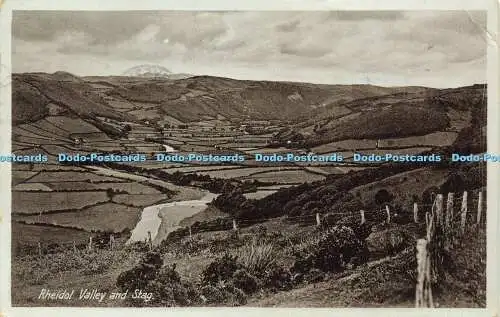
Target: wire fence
[
  {"x": 459, "y": 208},
  {"x": 444, "y": 228}
]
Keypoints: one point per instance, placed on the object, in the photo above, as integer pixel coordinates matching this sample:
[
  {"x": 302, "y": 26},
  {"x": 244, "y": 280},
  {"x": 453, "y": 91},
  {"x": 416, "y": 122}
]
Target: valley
[{"x": 191, "y": 208}]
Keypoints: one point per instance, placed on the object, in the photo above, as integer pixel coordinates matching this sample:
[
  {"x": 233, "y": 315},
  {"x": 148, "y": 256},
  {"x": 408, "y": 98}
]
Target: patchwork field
[
  {"x": 286, "y": 177},
  {"x": 43, "y": 202},
  {"x": 65, "y": 176},
  {"x": 108, "y": 217},
  {"x": 139, "y": 200}
]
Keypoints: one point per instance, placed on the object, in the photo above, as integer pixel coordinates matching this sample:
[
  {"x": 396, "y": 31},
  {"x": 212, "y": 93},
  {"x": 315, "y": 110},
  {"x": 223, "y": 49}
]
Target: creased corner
[{"x": 490, "y": 38}]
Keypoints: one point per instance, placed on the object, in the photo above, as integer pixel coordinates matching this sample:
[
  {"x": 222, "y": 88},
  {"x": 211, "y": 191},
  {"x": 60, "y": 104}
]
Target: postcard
[{"x": 248, "y": 158}]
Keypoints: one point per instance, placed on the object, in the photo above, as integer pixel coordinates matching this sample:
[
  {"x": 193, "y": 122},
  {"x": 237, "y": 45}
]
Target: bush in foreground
[
  {"x": 150, "y": 276},
  {"x": 332, "y": 252}
]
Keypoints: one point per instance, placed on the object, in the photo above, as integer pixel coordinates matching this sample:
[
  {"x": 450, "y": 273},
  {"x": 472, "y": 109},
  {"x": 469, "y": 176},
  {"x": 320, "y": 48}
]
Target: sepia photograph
[{"x": 238, "y": 158}]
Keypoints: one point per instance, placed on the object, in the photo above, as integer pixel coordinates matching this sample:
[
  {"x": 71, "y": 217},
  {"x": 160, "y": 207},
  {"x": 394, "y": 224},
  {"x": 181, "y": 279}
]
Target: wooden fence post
[
  {"x": 421, "y": 261},
  {"x": 415, "y": 212},
  {"x": 479, "y": 207},
  {"x": 463, "y": 212},
  {"x": 235, "y": 227},
  {"x": 430, "y": 226},
  {"x": 439, "y": 210},
  {"x": 74, "y": 246},
  {"x": 39, "y": 249},
  {"x": 363, "y": 220},
  {"x": 449, "y": 210},
  {"x": 150, "y": 241},
  {"x": 90, "y": 243},
  {"x": 423, "y": 292},
  {"x": 190, "y": 233},
  {"x": 112, "y": 242},
  {"x": 318, "y": 220},
  {"x": 388, "y": 214}
]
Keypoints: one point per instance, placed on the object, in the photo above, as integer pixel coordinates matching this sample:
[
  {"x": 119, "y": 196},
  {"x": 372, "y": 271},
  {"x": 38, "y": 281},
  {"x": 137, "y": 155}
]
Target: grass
[
  {"x": 257, "y": 257},
  {"x": 345, "y": 145},
  {"x": 242, "y": 172},
  {"x": 31, "y": 187},
  {"x": 286, "y": 177},
  {"x": 139, "y": 200},
  {"x": 71, "y": 271},
  {"x": 24, "y": 234},
  {"x": 108, "y": 217},
  {"x": 41, "y": 202},
  {"x": 402, "y": 186},
  {"x": 66, "y": 176},
  {"x": 73, "y": 125},
  {"x": 432, "y": 139}
]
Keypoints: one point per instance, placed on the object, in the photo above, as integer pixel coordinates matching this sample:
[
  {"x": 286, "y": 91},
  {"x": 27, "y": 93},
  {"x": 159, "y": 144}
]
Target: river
[{"x": 162, "y": 219}]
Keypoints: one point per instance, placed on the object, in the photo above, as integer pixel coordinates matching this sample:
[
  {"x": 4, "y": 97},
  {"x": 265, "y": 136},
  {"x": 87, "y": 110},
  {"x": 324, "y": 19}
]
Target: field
[
  {"x": 32, "y": 187},
  {"x": 31, "y": 235},
  {"x": 107, "y": 217},
  {"x": 138, "y": 200},
  {"x": 43, "y": 202},
  {"x": 224, "y": 239},
  {"x": 64, "y": 176},
  {"x": 286, "y": 177},
  {"x": 241, "y": 172},
  {"x": 345, "y": 145},
  {"x": 433, "y": 139}
]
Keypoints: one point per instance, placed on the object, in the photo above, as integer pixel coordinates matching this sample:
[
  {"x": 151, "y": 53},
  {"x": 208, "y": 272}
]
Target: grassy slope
[{"x": 390, "y": 282}]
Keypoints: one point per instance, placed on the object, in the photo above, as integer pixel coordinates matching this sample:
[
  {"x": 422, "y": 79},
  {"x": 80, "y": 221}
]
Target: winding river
[{"x": 164, "y": 218}]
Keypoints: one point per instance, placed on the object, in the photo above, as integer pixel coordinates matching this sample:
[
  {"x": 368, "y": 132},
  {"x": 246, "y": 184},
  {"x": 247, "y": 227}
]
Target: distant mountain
[{"x": 152, "y": 71}]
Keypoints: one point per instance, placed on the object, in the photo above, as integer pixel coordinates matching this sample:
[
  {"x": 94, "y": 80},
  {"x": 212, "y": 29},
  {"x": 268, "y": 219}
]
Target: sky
[{"x": 388, "y": 48}]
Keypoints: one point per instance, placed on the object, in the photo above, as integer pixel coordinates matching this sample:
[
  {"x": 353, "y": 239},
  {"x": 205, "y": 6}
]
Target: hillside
[
  {"x": 258, "y": 242},
  {"x": 398, "y": 114},
  {"x": 187, "y": 99}
]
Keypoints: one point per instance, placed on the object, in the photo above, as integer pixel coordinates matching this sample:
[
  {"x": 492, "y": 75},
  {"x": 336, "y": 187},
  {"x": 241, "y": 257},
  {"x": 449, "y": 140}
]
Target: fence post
[
  {"x": 423, "y": 292},
  {"x": 235, "y": 227},
  {"x": 388, "y": 214},
  {"x": 421, "y": 262},
  {"x": 190, "y": 233},
  {"x": 74, "y": 246},
  {"x": 39, "y": 249},
  {"x": 318, "y": 220},
  {"x": 479, "y": 207},
  {"x": 415, "y": 212},
  {"x": 90, "y": 243},
  {"x": 150, "y": 241},
  {"x": 363, "y": 220},
  {"x": 449, "y": 210},
  {"x": 112, "y": 242},
  {"x": 439, "y": 210},
  {"x": 463, "y": 212}
]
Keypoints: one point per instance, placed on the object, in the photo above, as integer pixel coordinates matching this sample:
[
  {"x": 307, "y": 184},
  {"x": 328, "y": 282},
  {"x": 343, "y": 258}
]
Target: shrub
[
  {"x": 314, "y": 276},
  {"x": 169, "y": 290},
  {"x": 333, "y": 251},
  {"x": 222, "y": 269},
  {"x": 212, "y": 294},
  {"x": 257, "y": 257},
  {"x": 162, "y": 281},
  {"x": 245, "y": 281},
  {"x": 277, "y": 278}
]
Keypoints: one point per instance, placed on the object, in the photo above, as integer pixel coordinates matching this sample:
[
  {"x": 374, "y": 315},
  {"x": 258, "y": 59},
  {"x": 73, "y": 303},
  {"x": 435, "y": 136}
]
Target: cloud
[{"x": 265, "y": 45}]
